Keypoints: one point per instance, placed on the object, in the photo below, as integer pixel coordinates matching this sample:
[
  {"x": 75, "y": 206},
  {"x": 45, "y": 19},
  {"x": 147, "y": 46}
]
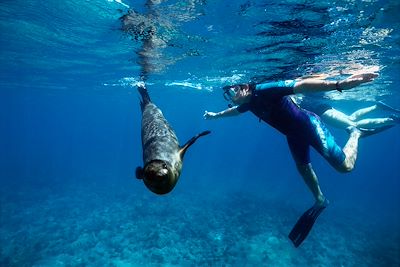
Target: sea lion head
[{"x": 157, "y": 176}]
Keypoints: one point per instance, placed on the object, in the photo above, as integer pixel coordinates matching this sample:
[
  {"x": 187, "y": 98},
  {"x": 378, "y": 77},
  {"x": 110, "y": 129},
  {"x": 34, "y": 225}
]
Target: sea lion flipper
[
  {"x": 183, "y": 149},
  {"x": 139, "y": 172},
  {"x": 145, "y": 96}
]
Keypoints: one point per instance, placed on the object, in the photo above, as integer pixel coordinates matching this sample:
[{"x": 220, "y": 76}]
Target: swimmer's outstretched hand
[
  {"x": 357, "y": 79},
  {"x": 209, "y": 115}
]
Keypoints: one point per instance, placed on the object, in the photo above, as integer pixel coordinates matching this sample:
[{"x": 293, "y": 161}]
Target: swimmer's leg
[
  {"x": 310, "y": 178},
  {"x": 363, "y": 111},
  {"x": 376, "y": 122},
  {"x": 350, "y": 150},
  {"x": 323, "y": 141},
  {"x": 337, "y": 119},
  {"x": 301, "y": 154},
  {"x": 351, "y": 147}
]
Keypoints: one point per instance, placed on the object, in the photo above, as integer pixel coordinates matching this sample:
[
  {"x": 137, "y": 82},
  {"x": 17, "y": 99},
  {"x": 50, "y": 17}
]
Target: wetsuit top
[
  {"x": 271, "y": 103},
  {"x": 317, "y": 106}
]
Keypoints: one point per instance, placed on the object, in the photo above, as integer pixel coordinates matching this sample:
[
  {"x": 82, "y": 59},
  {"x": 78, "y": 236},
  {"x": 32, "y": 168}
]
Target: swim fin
[
  {"x": 365, "y": 132},
  {"x": 303, "y": 226},
  {"x": 386, "y": 107}
]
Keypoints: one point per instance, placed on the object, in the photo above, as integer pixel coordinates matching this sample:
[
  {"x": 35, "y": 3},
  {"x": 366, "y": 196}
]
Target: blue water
[{"x": 70, "y": 135}]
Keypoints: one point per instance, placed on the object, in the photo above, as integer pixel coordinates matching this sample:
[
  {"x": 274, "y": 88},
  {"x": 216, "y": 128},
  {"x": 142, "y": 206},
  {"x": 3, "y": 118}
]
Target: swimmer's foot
[{"x": 323, "y": 203}]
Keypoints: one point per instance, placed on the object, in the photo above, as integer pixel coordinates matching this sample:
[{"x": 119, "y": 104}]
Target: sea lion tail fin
[
  {"x": 145, "y": 96},
  {"x": 183, "y": 149}
]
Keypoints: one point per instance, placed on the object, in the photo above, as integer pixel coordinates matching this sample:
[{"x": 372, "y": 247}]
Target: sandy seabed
[{"x": 109, "y": 225}]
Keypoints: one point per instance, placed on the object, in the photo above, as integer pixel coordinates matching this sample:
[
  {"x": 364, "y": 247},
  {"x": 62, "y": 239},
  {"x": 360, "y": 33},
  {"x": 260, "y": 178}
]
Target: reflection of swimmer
[
  {"x": 157, "y": 29},
  {"x": 137, "y": 25},
  {"x": 142, "y": 28},
  {"x": 271, "y": 103},
  {"x": 339, "y": 119}
]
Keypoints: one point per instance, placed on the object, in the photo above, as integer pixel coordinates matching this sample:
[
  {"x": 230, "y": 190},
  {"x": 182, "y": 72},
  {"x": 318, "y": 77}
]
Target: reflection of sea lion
[{"x": 162, "y": 155}]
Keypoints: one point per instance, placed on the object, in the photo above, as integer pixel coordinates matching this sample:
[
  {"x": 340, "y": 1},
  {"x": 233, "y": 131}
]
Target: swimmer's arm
[
  {"x": 317, "y": 85},
  {"x": 313, "y": 86},
  {"x": 222, "y": 114}
]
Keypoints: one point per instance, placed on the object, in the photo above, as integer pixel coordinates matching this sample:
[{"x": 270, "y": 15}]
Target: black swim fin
[{"x": 303, "y": 226}]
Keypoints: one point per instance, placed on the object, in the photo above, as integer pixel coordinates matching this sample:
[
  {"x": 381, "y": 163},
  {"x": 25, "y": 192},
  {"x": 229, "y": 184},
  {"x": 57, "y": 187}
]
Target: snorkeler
[
  {"x": 339, "y": 119},
  {"x": 271, "y": 102}
]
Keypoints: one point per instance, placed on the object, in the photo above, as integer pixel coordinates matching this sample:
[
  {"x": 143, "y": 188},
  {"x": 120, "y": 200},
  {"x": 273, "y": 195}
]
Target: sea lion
[{"x": 162, "y": 155}]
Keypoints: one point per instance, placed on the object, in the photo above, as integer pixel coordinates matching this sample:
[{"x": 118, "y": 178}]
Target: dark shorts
[{"x": 315, "y": 134}]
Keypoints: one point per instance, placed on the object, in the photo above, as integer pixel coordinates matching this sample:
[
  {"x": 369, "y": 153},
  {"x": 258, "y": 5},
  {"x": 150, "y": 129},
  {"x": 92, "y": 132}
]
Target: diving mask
[{"x": 230, "y": 92}]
